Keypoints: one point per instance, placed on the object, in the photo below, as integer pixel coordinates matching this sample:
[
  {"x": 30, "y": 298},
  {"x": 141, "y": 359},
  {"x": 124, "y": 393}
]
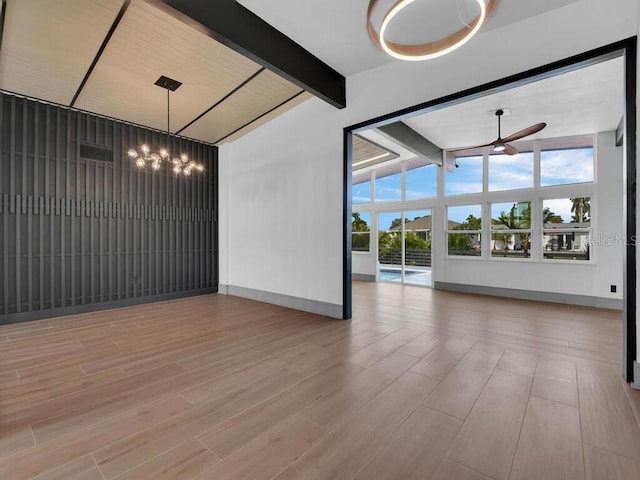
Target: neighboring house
[{"x": 572, "y": 237}]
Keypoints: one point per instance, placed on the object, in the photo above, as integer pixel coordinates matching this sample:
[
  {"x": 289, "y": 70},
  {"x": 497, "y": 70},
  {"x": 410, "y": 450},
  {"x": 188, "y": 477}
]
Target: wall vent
[{"x": 93, "y": 152}]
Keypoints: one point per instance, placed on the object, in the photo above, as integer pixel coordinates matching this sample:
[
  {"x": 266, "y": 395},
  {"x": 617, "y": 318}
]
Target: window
[
  {"x": 361, "y": 193},
  {"x": 464, "y": 228},
  {"x": 467, "y": 178},
  {"x": 511, "y": 230},
  {"x": 510, "y": 172},
  {"x": 421, "y": 180},
  {"x": 563, "y": 167},
  {"x": 566, "y": 228},
  {"x": 388, "y": 186},
  {"x": 360, "y": 231}
]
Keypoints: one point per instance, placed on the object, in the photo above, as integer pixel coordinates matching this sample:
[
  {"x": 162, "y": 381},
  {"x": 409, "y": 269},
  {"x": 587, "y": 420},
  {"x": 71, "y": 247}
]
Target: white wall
[
  {"x": 284, "y": 190},
  {"x": 284, "y": 214}
]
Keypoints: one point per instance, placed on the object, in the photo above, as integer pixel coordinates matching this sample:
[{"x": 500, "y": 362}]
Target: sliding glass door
[{"x": 404, "y": 247}]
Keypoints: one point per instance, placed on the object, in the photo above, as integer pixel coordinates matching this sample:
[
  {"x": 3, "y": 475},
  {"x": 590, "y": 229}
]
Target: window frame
[{"x": 479, "y": 232}]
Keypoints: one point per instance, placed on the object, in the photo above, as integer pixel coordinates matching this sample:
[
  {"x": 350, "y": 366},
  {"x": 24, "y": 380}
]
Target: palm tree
[
  {"x": 581, "y": 209},
  {"x": 550, "y": 217}
]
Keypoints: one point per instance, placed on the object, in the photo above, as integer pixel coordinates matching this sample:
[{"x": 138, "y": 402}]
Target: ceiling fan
[{"x": 501, "y": 145}]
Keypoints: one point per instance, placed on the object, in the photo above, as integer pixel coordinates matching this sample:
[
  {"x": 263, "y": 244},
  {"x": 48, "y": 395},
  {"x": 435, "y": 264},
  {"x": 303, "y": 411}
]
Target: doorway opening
[{"x": 505, "y": 248}]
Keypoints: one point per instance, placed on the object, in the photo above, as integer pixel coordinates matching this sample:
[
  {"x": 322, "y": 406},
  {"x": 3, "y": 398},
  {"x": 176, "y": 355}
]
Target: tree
[
  {"x": 549, "y": 217},
  {"x": 472, "y": 223},
  {"x": 462, "y": 241},
  {"x": 459, "y": 242},
  {"x": 360, "y": 241},
  {"x": 581, "y": 209},
  {"x": 358, "y": 224},
  {"x": 517, "y": 219},
  {"x": 396, "y": 222}
]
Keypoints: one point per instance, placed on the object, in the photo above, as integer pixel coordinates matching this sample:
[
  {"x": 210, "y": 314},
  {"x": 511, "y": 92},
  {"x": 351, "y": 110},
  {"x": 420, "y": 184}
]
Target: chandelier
[
  {"x": 424, "y": 51},
  {"x": 181, "y": 164}
]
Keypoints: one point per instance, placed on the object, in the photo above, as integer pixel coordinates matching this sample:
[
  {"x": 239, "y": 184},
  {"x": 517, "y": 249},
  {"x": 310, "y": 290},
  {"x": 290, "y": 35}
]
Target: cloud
[
  {"x": 562, "y": 167},
  {"x": 510, "y": 172}
]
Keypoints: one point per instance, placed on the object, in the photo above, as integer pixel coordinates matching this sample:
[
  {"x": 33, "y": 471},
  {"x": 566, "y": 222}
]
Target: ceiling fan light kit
[
  {"x": 424, "y": 51},
  {"x": 180, "y": 165}
]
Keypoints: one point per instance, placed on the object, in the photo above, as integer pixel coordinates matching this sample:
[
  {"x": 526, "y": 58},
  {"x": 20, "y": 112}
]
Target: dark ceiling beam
[
  {"x": 411, "y": 140},
  {"x": 233, "y": 25},
  {"x": 3, "y": 12},
  {"x": 106, "y": 40}
]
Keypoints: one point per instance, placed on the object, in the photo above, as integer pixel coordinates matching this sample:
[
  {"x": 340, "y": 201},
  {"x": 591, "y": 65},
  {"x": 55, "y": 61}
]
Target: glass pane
[
  {"x": 561, "y": 167},
  {"x": 466, "y": 217},
  {"x": 467, "y": 178},
  {"x": 511, "y": 244},
  {"x": 417, "y": 247},
  {"x": 464, "y": 244},
  {"x": 509, "y": 172},
  {"x": 390, "y": 246},
  {"x": 566, "y": 223},
  {"x": 361, "y": 193},
  {"x": 389, "y": 188},
  {"x": 421, "y": 182},
  {"x": 360, "y": 228},
  {"x": 511, "y": 216},
  {"x": 566, "y": 245},
  {"x": 572, "y": 212}
]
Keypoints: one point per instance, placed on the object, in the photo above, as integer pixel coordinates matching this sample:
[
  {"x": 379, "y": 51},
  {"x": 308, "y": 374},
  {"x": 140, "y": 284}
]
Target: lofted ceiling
[
  {"x": 104, "y": 57},
  {"x": 582, "y": 101},
  {"x": 576, "y": 103}
]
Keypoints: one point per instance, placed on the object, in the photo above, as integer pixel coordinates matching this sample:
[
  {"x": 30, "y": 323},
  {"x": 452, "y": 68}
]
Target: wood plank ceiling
[{"x": 104, "y": 57}]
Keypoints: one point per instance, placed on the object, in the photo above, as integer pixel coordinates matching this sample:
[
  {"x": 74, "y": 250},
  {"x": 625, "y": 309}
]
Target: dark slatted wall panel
[{"x": 83, "y": 233}]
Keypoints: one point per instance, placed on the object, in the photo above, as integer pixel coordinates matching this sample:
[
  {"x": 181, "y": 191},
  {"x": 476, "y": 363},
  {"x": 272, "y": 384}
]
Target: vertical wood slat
[
  {"x": 35, "y": 212},
  {"x": 4, "y": 307},
  {"x": 105, "y": 238}
]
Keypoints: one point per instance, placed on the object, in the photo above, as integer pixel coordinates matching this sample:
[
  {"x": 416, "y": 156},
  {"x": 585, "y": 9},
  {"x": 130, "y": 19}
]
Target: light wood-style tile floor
[{"x": 421, "y": 384}]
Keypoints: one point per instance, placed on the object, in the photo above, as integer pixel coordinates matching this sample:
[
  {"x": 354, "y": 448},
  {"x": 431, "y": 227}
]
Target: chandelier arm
[{"x": 428, "y": 50}]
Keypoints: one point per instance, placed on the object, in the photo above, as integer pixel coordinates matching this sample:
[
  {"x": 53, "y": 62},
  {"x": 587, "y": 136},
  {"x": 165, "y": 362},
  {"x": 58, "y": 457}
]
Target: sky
[{"x": 506, "y": 172}]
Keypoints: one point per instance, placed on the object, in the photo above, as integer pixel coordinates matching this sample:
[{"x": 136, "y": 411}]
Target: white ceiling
[
  {"x": 335, "y": 30},
  {"x": 582, "y": 101}
]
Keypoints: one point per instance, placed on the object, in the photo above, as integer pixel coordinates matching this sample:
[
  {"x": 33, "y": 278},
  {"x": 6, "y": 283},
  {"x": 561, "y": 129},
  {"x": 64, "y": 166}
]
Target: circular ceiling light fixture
[{"x": 424, "y": 51}]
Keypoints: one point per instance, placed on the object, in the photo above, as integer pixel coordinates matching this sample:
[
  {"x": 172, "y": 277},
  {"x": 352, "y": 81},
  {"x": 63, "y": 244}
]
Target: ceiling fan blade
[
  {"x": 473, "y": 148},
  {"x": 509, "y": 150},
  {"x": 525, "y": 132}
]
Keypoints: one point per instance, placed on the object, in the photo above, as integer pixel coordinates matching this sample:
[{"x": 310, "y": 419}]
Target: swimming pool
[{"x": 390, "y": 275}]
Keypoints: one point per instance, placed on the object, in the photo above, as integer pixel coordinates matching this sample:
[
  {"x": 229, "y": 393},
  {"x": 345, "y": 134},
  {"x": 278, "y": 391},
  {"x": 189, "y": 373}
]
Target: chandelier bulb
[
  {"x": 132, "y": 153},
  {"x": 164, "y": 153},
  {"x": 177, "y": 169},
  {"x": 140, "y": 162},
  {"x": 145, "y": 148}
]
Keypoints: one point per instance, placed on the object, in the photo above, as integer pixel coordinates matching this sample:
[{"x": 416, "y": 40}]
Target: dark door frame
[{"x": 626, "y": 48}]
